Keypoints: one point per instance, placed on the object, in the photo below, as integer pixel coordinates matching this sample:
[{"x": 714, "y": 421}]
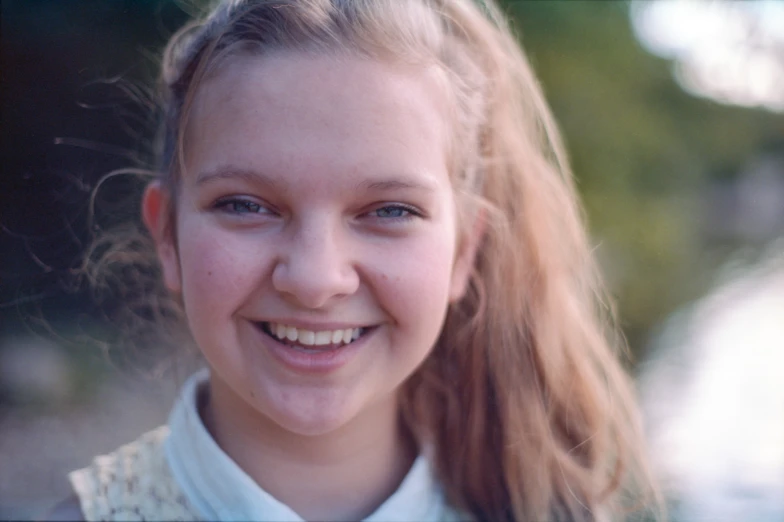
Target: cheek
[
  {"x": 416, "y": 281},
  {"x": 216, "y": 270}
]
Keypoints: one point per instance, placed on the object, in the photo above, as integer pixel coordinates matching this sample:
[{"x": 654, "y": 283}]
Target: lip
[
  {"x": 323, "y": 362},
  {"x": 317, "y": 327}
]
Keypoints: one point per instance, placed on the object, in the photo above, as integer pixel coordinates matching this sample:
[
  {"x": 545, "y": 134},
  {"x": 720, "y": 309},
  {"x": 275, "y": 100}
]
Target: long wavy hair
[{"x": 530, "y": 414}]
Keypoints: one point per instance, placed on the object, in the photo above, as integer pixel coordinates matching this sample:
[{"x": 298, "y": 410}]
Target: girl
[{"x": 365, "y": 216}]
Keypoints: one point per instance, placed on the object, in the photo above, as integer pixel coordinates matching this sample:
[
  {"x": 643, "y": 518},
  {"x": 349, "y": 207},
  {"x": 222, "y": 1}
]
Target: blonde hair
[{"x": 531, "y": 416}]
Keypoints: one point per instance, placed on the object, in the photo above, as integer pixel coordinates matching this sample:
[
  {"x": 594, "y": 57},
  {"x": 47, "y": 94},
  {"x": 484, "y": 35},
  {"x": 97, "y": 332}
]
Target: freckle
[{"x": 209, "y": 273}]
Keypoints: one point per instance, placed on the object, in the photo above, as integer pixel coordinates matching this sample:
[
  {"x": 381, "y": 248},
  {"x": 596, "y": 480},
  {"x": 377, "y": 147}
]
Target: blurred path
[
  {"x": 713, "y": 394},
  {"x": 38, "y": 451}
]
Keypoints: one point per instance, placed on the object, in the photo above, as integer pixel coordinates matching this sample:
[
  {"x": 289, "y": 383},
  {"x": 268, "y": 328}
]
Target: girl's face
[{"x": 315, "y": 206}]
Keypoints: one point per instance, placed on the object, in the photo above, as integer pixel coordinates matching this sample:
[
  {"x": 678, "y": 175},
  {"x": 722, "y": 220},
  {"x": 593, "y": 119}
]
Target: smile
[{"x": 299, "y": 338}]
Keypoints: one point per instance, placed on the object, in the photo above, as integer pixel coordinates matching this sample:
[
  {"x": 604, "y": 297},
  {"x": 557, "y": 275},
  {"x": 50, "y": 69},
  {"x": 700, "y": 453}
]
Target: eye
[
  {"x": 395, "y": 211},
  {"x": 241, "y": 206}
]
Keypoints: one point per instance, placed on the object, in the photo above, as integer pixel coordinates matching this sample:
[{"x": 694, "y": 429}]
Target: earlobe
[
  {"x": 466, "y": 257},
  {"x": 156, "y": 215}
]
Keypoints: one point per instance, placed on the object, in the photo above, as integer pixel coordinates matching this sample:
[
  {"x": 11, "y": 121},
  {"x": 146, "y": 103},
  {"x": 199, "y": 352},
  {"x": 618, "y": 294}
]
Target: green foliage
[{"x": 643, "y": 151}]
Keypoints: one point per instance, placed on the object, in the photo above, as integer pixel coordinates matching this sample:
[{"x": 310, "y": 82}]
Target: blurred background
[{"x": 673, "y": 114}]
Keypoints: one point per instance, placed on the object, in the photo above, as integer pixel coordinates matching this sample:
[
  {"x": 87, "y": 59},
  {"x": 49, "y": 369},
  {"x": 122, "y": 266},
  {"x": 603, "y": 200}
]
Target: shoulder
[
  {"x": 68, "y": 509},
  {"x": 120, "y": 471},
  {"x": 133, "y": 482}
]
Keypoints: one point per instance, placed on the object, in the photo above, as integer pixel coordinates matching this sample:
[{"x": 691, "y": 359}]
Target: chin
[
  {"x": 312, "y": 417},
  {"x": 311, "y": 427}
]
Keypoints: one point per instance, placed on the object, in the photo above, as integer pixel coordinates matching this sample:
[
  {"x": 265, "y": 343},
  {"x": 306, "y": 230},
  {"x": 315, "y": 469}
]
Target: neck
[{"x": 342, "y": 475}]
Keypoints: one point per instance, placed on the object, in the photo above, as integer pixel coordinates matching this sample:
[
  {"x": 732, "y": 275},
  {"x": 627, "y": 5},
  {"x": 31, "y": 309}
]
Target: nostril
[{"x": 314, "y": 275}]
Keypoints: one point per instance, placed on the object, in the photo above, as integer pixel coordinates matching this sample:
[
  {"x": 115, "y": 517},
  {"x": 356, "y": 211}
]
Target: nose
[{"x": 315, "y": 266}]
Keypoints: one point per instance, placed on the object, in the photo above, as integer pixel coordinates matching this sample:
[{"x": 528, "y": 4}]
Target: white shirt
[{"x": 221, "y": 490}]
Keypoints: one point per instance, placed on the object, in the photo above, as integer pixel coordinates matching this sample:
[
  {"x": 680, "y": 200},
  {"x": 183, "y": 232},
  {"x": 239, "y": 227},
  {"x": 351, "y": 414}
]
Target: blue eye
[
  {"x": 241, "y": 206},
  {"x": 397, "y": 212},
  {"x": 392, "y": 212}
]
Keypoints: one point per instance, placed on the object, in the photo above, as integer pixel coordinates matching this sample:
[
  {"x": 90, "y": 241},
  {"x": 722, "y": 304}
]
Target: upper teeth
[{"x": 311, "y": 338}]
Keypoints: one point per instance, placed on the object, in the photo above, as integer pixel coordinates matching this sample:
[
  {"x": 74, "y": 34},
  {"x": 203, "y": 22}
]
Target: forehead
[{"x": 289, "y": 111}]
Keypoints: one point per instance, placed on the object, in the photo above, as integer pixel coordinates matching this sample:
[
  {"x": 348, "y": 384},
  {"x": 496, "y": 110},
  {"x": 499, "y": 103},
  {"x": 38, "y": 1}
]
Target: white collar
[{"x": 220, "y": 490}]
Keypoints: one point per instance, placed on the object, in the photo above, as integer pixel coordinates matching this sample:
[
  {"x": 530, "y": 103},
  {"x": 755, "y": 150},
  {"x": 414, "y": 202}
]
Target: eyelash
[
  {"x": 239, "y": 206},
  {"x": 410, "y": 212},
  {"x": 232, "y": 205}
]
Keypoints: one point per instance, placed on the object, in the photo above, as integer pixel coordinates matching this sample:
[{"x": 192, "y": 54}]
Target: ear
[
  {"x": 466, "y": 255},
  {"x": 156, "y": 205}
]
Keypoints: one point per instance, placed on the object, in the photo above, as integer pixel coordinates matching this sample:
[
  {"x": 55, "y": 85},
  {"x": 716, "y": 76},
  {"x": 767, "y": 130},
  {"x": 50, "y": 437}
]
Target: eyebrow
[
  {"x": 231, "y": 172},
  {"x": 395, "y": 184},
  {"x": 368, "y": 185}
]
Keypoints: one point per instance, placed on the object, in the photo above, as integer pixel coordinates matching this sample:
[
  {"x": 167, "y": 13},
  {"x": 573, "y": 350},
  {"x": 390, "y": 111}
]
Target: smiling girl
[{"x": 364, "y": 214}]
